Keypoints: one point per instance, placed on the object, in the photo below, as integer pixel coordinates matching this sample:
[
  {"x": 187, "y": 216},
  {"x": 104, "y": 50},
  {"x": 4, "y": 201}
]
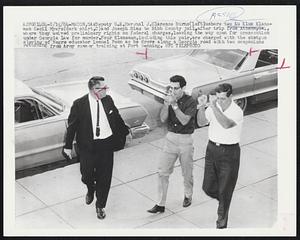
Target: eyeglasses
[
  {"x": 101, "y": 88},
  {"x": 104, "y": 88}
]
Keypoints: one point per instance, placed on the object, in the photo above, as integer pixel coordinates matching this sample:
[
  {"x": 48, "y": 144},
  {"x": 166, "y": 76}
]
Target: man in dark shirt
[{"x": 179, "y": 111}]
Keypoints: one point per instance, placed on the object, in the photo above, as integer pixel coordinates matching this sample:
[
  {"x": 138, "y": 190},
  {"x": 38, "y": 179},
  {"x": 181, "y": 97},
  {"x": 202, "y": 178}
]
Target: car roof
[
  {"x": 21, "y": 89},
  {"x": 80, "y": 88}
]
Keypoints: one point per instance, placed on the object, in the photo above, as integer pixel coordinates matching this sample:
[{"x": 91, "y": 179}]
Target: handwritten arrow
[
  {"x": 252, "y": 51},
  {"x": 143, "y": 53},
  {"x": 282, "y": 65}
]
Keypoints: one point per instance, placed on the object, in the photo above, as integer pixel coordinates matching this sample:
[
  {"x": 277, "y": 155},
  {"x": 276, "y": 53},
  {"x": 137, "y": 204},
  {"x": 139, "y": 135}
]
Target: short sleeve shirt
[
  {"x": 189, "y": 107},
  {"x": 217, "y": 133}
]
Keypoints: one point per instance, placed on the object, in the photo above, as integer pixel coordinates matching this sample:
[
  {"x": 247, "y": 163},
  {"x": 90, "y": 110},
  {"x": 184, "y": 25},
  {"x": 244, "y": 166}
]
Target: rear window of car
[
  {"x": 267, "y": 57},
  {"x": 50, "y": 99},
  {"x": 225, "y": 58}
]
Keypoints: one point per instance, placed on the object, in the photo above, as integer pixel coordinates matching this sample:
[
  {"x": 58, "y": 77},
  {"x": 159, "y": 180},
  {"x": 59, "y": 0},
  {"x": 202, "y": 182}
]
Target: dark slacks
[
  {"x": 220, "y": 176},
  {"x": 96, "y": 168}
]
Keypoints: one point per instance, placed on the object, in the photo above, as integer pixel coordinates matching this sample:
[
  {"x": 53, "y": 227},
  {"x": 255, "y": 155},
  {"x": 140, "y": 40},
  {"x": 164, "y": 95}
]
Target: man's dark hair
[
  {"x": 179, "y": 79},
  {"x": 224, "y": 87},
  {"x": 94, "y": 80}
]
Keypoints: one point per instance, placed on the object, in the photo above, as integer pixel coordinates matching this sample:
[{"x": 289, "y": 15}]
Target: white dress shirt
[
  {"x": 105, "y": 130},
  {"x": 217, "y": 133}
]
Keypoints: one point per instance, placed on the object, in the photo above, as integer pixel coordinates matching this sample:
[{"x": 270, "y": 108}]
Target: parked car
[
  {"x": 253, "y": 75},
  {"x": 41, "y": 119}
]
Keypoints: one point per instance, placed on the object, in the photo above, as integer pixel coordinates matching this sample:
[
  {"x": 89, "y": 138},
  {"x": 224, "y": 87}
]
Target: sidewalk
[{"x": 56, "y": 199}]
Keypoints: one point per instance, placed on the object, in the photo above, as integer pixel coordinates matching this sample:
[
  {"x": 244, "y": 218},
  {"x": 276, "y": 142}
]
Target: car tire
[{"x": 242, "y": 103}]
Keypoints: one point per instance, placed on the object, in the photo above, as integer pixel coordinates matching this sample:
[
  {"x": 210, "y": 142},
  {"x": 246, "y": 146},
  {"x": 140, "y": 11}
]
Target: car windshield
[
  {"x": 226, "y": 58},
  {"x": 55, "y": 102}
]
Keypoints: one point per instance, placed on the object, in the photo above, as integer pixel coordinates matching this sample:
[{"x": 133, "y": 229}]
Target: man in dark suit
[{"x": 100, "y": 131}]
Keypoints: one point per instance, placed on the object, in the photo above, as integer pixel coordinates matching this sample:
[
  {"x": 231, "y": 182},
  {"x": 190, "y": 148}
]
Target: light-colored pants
[{"x": 176, "y": 146}]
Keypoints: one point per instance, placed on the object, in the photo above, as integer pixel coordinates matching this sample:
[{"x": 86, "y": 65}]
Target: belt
[
  {"x": 223, "y": 145},
  {"x": 182, "y": 134}
]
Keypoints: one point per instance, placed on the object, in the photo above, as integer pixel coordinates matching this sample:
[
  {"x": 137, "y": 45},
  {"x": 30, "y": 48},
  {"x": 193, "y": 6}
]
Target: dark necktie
[{"x": 97, "y": 127}]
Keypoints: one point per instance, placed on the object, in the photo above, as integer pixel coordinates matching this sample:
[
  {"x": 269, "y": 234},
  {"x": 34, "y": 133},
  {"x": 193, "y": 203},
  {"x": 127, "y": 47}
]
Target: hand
[
  {"x": 67, "y": 153},
  {"x": 170, "y": 90},
  {"x": 169, "y": 99},
  {"x": 202, "y": 100},
  {"x": 129, "y": 137},
  {"x": 212, "y": 100},
  {"x": 174, "y": 106}
]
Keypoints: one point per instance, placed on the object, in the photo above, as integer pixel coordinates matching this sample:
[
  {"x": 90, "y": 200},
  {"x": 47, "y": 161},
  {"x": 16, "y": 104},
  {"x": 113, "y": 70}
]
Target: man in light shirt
[
  {"x": 100, "y": 131},
  {"x": 222, "y": 158}
]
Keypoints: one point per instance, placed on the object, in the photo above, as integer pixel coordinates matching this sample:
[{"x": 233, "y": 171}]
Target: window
[
  {"x": 45, "y": 112},
  {"x": 267, "y": 57},
  {"x": 225, "y": 58},
  {"x": 29, "y": 110}
]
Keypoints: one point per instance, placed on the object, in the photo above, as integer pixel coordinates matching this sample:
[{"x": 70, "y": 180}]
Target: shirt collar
[
  {"x": 91, "y": 98},
  {"x": 226, "y": 108},
  {"x": 180, "y": 99}
]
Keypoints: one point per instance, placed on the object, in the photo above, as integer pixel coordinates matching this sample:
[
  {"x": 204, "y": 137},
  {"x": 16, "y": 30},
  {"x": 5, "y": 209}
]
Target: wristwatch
[{"x": 175, "y": 106}]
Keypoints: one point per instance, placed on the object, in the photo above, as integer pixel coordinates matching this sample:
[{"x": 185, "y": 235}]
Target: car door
[
  {"x": 265, "y": 72},
  {"x": 39, "y": 133},
  {"x": 242, "y": 85}
]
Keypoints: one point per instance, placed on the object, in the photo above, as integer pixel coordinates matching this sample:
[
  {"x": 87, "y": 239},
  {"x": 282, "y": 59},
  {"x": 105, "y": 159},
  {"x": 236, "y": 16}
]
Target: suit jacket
[{"x": 80, "y": 124}]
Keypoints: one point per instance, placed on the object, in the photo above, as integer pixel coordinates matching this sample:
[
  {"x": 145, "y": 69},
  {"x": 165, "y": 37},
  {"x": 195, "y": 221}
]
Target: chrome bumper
[{"x": 140, "y": 131}]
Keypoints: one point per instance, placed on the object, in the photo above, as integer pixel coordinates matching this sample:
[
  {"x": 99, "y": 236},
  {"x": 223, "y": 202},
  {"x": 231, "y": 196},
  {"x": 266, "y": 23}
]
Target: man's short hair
[
  {"x": 179, "y": 79},
  {"x": 224, "y": 87},
  {"x": 94, "y": 80}
]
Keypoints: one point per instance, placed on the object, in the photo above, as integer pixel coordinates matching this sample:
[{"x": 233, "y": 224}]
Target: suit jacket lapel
[
  {"x": 87, "y": 109},
  {"x": 105, "y": 104}
]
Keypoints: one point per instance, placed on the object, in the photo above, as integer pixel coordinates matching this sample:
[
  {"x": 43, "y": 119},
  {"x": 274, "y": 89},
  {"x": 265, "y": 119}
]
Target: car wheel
[{"x": 241, "y": 102}]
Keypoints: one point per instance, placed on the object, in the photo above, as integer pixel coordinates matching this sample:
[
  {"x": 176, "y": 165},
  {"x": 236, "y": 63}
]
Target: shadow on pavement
[
  {"x": 41, "y": 169},
  {"x": 260, "y": 107}
]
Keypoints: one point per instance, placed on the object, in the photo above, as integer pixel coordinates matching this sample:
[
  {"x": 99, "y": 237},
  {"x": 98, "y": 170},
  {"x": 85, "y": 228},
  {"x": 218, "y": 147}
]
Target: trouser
[
  {"x": 176, "y": 146},
  {"x": 96, "y": 168},
  {"x": 220, "y": 176}
]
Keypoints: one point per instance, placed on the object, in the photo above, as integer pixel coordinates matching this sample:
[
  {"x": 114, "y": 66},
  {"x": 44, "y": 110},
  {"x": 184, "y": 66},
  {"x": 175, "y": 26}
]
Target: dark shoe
[
  {"x": 156, "y": 209},
  {"x": 221, "y": 223},
  {"x": 221, "y": 227},
  {"x": 187, "y": 202},
  {"x": 89, "y": 198},
  {"x": 100, "y": 213}
]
